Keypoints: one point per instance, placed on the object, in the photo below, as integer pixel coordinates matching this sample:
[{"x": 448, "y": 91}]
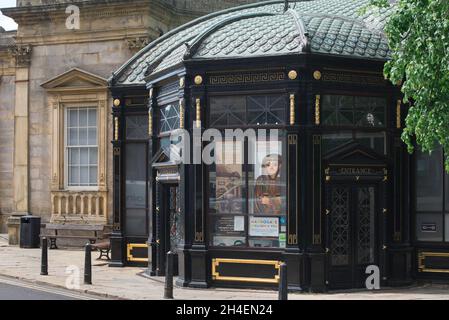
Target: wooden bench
[{"x": 93, "y": 230}]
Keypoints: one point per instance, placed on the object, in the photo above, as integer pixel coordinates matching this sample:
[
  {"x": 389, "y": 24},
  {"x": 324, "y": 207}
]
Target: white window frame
[{"x": 66, "y": 148}]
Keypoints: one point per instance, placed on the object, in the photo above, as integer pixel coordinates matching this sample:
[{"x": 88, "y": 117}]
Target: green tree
[{"x": 418, "y": 35}]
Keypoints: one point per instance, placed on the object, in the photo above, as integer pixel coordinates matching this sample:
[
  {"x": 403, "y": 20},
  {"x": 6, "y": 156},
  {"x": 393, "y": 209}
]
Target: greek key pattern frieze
[
  {"x": 353, "y": 78},
  {"x": 245, "y": 78}
]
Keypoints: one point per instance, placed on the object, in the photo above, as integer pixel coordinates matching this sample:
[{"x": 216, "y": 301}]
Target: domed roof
[{"x": 330, "y": 27}]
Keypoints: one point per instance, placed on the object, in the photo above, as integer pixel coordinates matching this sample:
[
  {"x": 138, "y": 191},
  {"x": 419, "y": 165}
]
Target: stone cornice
[{"x": 88, "y": 36}]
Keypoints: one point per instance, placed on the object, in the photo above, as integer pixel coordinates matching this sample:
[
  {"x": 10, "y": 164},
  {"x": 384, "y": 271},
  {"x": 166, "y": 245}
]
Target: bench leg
[
  {"x": 104, "y": 253},
  {"x": 53, "y": 245}
]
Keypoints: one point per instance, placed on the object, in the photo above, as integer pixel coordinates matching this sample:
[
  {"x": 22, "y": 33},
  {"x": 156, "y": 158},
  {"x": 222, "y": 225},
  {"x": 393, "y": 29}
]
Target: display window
[{"x": 247, "y": 201}]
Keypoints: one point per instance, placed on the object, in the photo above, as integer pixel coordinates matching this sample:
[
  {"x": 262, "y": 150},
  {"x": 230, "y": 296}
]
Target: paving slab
[{"x": 130, "y": 283}]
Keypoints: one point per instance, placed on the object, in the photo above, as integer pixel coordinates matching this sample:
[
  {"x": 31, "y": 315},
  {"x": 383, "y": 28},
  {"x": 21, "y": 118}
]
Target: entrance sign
[{"x": 264, "y": 227}]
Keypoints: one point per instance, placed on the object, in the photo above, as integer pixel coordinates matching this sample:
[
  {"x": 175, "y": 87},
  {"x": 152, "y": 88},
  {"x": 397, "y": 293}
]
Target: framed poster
[
  {"x": 264, "y": 227},
  {"x": 268, "y": 184}
]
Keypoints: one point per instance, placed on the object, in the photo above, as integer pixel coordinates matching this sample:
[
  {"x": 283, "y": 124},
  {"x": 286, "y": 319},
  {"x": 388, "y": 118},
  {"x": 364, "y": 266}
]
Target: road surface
[{"x": 11, "y": 289}]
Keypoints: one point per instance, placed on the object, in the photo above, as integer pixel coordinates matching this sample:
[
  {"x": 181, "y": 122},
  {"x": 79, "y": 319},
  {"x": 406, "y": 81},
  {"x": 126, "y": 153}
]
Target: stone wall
[
  {"x": 6, "y": 148},
  {"x": 47, "y": 62}
]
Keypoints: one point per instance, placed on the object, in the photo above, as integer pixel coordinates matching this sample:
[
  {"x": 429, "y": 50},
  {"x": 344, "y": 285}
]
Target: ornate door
[
  {"x": 351, "y": 233},
  {"x": 170, "y": 226}
]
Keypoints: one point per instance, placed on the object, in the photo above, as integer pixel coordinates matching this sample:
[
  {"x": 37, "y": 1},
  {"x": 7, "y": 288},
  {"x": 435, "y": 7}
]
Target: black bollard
[
  {"x": 283, "y": 284},
  {"x": 168, "y": 290},
  {"x": 44, "y": 260},
  {"x": 88, "y": 265}
]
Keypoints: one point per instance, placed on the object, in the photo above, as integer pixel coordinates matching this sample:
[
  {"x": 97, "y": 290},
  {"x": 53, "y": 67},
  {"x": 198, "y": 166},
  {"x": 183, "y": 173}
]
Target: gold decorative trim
[
  {"x": 292, "y": 139},
  {"x": 150, "y": 122},
  {"x": 198, "y": 80},
  {"x": 198, "y": 113},
  {"x": 317, "y": 75},
  {"x": 117, "y": 103},
  {"x": 181, "y": 113},
  {"x": 218, "y": 261},
  {"x": 182, "y": 82},
  {"x": 131, "y": 247},
  {"x": 422, "y": 256},
  {"x": 116, "y": 128},
  {"x": 292, "y": 109},
  {"x": 293, "y": 75},
  {"x": 317, "y": 110},
  {"x": 398, "y": 114},
  {"x": 199, "y": 237}
]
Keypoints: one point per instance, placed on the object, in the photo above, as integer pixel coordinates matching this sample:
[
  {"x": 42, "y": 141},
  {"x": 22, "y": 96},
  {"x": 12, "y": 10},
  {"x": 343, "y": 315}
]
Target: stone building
[{"x": 55, "y": 122}]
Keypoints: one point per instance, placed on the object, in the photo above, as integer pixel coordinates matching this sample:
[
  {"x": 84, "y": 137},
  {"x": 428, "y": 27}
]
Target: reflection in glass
[
  {"x": 429, "y": 181},
  {"x": 136, "y": 175}
]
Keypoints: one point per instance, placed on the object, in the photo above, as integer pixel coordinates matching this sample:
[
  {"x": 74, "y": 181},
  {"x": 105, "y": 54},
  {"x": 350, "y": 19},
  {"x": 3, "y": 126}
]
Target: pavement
[{"x": 66, "y": 272}]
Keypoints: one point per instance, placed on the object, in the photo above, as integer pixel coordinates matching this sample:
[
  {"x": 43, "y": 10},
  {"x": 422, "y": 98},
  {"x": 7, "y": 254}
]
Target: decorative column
[
  {"x": 22, "y": 54},
  {"x": 198, "y": 251},
  {"x": 118, "y": 252},
  {"x": 317, "y": 253}
]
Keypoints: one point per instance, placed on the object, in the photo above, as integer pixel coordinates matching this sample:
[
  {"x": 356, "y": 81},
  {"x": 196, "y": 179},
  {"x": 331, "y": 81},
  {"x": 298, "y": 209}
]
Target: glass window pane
[
  {"x": 446, "y": 228},
  {"x": 429, "y": 227},
  {"x": 136, "y": 171},
  {"x": 137, "y": 127},
  {"x": 83, "y": 137},
  {"x": 370, "y": 111},
  {"x": 93, "y": 156},
  {"x": 82, "y": 117},
  {"x": 429, "y": 181},
  {"x": 92, "y": 117},
  {"x": 84, "y": 156},
  {"x": 72, "y": 138},
  {"x": 267, "y": 196},
  {"x": 74, "y": 176},
  {"x": 446, "y": 188},
  {"x": 227, "y": 201},
  {"x": 73, "y": 118},
  {"x": 84, "y": 176},
  {"x": 136, "y": 223},
  {"x": 92, "y": 136},
  {"x": 267, "y": 109},
  {"x": 375, "y": 141},
  {"x": 93, "y": 176},
  {"x": 228, "y": 111},
  {"x": 169, "y": 118},
  {"x": 338, "y": 110},
  {"x": 74, "y": 157}
]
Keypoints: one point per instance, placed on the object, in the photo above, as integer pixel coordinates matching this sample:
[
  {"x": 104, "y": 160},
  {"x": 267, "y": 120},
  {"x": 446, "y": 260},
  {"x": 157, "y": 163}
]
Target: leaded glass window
[
  {"x": 340, "y": 110},
  {"x": 248, "y": 110},
  {"x": 169, "y": 118},
  {"x": 137, "y": 127}
]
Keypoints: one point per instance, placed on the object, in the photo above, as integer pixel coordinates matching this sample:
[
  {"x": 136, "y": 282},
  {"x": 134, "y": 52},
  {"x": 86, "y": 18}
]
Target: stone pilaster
[{"x": 22, "y": 55}]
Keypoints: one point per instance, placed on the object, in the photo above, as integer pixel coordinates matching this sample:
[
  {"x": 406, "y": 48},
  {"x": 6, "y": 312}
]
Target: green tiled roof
[{"x": 330, "y": 27}]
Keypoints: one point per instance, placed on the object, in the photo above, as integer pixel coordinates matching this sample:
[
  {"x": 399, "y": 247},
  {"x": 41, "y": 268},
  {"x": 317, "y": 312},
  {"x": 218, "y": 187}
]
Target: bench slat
[{"x": 74, "y": 227}]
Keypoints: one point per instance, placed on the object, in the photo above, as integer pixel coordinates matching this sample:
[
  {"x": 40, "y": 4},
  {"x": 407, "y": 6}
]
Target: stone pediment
[{"x": 76, "y": 79}]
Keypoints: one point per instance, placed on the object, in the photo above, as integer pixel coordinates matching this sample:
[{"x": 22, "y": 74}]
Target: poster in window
[
  {"x": 269, "y": 189},
  {"x": 264, "y": 227},
  {"x": 228, "y": 198}
]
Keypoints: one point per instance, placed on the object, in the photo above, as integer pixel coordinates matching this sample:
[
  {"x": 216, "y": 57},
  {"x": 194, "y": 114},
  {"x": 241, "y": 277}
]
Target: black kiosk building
[{"x": 334, "y": 192}]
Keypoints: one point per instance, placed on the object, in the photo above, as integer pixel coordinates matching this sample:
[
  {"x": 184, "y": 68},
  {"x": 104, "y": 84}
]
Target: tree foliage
[{"x": 418, "y": 36}]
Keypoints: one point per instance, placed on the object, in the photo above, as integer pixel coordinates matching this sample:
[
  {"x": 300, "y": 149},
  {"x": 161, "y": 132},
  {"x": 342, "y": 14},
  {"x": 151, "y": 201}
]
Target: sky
[{"x": 7, "y": 23}]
